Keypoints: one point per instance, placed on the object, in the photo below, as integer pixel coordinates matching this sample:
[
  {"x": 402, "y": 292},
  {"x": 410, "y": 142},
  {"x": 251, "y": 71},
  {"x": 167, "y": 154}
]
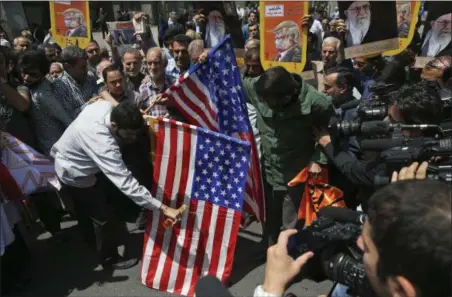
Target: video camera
[
  {"x": 397, "y": 153},
  {"x": 332, "y": 237},
  {"x": 369, "y": 112},
  {"x": 382, "y": 92}
]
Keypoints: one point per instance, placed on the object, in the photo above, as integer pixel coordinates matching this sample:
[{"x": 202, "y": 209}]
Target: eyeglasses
[
  {"x": 93, "y": 50},
  {"x": 443, "y": 23},
  {"x": 358, "y": 63},
  {"x": 358, "y": 9}
]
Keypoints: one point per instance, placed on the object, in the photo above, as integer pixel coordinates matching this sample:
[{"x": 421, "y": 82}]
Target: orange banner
[
  {"x": 283, "y": 42},
  {"x": 71, "y": 23}
]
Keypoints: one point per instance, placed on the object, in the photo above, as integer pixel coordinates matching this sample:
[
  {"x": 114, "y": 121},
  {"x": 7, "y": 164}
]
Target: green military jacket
[{"x": 287, "y": 139}]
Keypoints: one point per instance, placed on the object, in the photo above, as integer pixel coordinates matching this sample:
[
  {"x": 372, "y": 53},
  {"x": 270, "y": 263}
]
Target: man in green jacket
[{"x": 287, "y": 110}]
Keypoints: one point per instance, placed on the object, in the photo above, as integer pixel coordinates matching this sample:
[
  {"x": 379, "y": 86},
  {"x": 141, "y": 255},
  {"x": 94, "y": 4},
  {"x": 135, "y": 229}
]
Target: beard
[
  {"x": 441, "y": 35},
  {"x": 216, "y": 32},
  {"x": 358, "y": 28},
  {"x": 438, "y": 41}
]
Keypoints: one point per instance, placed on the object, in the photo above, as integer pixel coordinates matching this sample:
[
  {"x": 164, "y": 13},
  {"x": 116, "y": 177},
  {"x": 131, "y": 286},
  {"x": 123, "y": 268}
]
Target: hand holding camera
[{"x": 282, "y": 268}]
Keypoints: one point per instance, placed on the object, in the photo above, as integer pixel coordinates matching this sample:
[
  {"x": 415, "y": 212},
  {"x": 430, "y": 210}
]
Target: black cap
[{"x": 210, "y": 286}]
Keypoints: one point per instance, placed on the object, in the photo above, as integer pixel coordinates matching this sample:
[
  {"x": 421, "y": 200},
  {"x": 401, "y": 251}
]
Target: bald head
[
  {"x": 101, "y": 66},
  {"x": 253, "y": 43},
  {"x": 21, "y": 44},
  {"x": 195, "y": 49},
  {"x": 156, "y": 62}
]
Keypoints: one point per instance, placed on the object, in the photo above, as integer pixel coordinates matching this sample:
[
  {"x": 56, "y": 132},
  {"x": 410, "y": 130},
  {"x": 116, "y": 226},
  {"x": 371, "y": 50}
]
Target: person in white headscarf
[
  {"x": 439, "y": 37},
  {"x": 215, "y": 29}
]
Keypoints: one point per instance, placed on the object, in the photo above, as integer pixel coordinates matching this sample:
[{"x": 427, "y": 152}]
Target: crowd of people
[{"x": 86, "y": 109}]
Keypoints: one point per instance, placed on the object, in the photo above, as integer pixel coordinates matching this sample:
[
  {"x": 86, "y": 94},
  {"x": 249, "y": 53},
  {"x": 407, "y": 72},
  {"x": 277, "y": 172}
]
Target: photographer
[
  {"x": 338, "y": 84},
  {"x": 406, "y": 242},
  {"x": 415, "y": 104}
]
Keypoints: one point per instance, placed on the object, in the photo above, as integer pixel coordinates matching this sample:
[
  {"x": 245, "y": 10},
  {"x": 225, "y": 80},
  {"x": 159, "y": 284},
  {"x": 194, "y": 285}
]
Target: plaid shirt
[
  {"x": 72, "y": 96},
  {"x": 172, "y": 70},
  {"x": 147, "y": 91}
]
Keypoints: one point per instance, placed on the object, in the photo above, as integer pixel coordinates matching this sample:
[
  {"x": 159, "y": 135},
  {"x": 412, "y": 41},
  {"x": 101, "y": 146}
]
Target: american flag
[
  {"x": 211, "y": 96},
  {"x": 206, "y": 171},
  {"x": 31, "y": 171}
]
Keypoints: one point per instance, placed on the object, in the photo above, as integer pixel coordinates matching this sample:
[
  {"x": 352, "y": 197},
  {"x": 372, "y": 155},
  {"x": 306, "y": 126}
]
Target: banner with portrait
[
  {"x": 123, "y": 33},
  {"x": 283, "y": 41},
  {"x": 70, "y": 21},
  {"x": 371, "y": 27},
  {"x": 437, "y": 33},
  {"x": 221, "y": 18},
  {"x": 407, "y": 17}
]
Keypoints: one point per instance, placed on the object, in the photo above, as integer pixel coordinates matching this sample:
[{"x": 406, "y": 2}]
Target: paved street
[{"x": 68, "y": 270}]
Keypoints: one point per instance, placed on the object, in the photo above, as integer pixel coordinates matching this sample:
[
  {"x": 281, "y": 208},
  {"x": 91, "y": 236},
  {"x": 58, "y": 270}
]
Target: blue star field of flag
[
  {"x": 221, "y": 76},
  {"x": 221, "y": 166}
]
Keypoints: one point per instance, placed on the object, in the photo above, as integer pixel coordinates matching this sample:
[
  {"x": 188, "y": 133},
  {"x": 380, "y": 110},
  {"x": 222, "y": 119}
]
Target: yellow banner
[
  {"x": 70, "y": 21},
  {"x": 283, "y": 41},
  {"x": 407, "y": 16}
]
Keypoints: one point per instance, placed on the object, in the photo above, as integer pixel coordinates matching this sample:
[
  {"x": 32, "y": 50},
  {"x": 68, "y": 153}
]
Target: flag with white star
[
  {"x": 210, "y": 96},
  {"x": 206, "y": 171}
]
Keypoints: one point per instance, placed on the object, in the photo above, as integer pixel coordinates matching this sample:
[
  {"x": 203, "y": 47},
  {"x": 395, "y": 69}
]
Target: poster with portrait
[
  {"x": 70, "y": 21},
  {"x": 371, "y": 27},
  {"x": 221, "y": 18},
  {"x": 123, "y": 33},
  {"x": 437, "y": 33},
  {"x": 407, "y": 17},
  {"x": 283, "y": 41}
]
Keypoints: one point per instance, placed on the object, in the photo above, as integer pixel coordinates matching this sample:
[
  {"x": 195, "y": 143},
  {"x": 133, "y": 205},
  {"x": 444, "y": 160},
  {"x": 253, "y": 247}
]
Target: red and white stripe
[
  {"x": 204, "y": 242},
  {"x": 192, "y": 99}
]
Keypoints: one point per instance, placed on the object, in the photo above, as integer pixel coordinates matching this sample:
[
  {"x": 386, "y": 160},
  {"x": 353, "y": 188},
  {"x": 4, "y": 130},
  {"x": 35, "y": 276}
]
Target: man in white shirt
[{"x": 89, "y": 151}]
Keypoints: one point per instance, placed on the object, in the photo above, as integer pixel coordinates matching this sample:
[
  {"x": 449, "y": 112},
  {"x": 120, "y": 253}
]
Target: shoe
[{"x": 119, "y": 263}]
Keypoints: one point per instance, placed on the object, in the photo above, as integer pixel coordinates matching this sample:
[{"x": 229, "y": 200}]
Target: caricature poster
[
  {"x": 283, "y": 42},
  {"x": 70, "y": 23}
]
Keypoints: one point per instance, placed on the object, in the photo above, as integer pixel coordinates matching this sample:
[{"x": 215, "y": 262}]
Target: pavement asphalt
[{"x": 68, "y": 269}]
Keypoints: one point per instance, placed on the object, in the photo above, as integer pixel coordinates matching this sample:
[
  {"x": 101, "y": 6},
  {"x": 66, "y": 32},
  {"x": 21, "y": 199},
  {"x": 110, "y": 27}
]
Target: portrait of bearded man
[
  {"x": 438, "y": 38},
  {"x": 215, "y": 29},
  {"x": 365, "y": 23},
  {"x": 287, "y": 42}
]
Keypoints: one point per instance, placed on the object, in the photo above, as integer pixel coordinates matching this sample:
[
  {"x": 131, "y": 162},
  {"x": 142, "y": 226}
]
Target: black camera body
[
  {"x": 336, "y": 256},
  {"x": 418, "y": 151}
]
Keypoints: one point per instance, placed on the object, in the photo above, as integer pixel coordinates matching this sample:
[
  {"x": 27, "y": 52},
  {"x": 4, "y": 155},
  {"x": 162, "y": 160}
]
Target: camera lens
[{"x": 345, "y": 270}]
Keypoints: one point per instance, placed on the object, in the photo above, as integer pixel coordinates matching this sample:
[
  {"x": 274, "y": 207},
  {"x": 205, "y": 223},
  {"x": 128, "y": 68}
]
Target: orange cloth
[{"x": 317, "y": 194}]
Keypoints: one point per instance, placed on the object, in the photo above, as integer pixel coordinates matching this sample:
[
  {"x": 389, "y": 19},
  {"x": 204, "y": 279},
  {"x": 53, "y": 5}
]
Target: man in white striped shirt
[{"x": 89, "y": 151}]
